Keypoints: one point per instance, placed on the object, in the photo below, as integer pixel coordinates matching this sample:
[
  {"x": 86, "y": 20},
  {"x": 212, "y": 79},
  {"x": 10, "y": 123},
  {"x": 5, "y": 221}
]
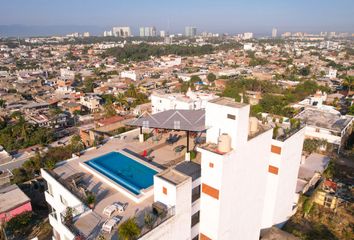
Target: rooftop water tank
[{"x": 224, "y": 143}]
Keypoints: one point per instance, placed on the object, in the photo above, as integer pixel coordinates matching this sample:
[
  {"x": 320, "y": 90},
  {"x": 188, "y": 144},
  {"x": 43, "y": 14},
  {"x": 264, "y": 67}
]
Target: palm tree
[
  {"x": 131, "y": 92},
  {"x": 121, "y": 100},
  {"x": 129, "y": 230},
  {"x": 349, "y": 82}
]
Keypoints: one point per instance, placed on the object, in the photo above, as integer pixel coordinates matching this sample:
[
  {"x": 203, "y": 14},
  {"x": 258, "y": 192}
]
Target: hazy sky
[{"x": 218, "y": 15}]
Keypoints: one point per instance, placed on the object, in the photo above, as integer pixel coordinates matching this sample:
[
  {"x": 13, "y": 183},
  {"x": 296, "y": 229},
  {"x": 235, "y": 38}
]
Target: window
[
  {"x": 164, "y": 190},
  {"x": 230, "y": 116},
  {"x": 211, "y": 165},
  {"x": 177, "y": 124},
  {"x": 195, "y": 219},
  {"x": 63, "y": 201},
  {"x": 195, "y": 193},
  {"x": 145, "y": 124},
  {"x": 50, "y": 190}
]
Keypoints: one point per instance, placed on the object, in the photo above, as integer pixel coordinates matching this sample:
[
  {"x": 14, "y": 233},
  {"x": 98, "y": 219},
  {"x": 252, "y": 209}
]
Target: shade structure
[{"x": 184, "y": 120}]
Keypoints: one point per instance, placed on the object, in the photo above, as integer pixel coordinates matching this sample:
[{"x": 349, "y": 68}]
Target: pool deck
[{"x": 163, "y": 155}]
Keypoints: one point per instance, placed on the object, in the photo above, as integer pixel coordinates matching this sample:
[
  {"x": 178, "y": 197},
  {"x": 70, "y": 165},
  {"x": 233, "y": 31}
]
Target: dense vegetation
[
  {"x": 17, "y": 133},
  {"x": 274, "y": 100},
  {"x": 144, "y": 51},
  {"x": 32, "y": 167}
]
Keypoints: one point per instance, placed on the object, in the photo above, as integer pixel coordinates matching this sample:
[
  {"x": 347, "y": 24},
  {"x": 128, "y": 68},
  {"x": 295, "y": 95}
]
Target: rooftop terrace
[
  {"x": 322, "y": 119},
  {"x": 78, "y": 180},
  {"x": 229, "y": 102}
]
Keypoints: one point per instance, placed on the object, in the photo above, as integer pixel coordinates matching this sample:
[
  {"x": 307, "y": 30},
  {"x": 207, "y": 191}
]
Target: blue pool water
[{"x": 123, "y": 170}]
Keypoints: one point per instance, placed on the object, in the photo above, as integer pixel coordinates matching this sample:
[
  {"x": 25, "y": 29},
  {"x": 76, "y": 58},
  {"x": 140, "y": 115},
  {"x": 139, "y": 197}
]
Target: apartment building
[
  {"x": 91, "y": 101},
  {"x": 121, "y": 32},
  {"x": 222, "y": 194},
  {"x": 190, "y": 101}
]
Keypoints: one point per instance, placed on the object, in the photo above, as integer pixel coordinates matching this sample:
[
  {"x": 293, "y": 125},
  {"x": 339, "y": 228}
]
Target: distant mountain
[{"x": 33, "y": 31}]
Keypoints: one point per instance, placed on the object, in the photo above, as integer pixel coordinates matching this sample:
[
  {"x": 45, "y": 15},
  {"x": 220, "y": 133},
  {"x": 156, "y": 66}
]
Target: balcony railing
[
  {"x": 288, "y": 133},
  {"x": 75, "y": 190},
  {"x": 157, "y": 221}
]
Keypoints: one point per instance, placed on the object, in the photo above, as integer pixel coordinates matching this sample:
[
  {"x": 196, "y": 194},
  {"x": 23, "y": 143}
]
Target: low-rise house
[
  {"x": 190, "y": 101},
  {"x": 13, "y": 202},
  {"x": 326, "y": 194},
  {"x": 310, "y": 172},
  {"x": 332, "y": 127},
  {"x": 91, "y": 101},
  {"x": 44, "y": 119},
  {"x": 72, "y": 107},
  {"x": 140, "y": 109}
]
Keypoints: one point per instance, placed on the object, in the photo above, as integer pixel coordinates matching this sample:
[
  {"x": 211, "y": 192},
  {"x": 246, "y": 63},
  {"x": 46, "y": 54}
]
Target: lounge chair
[
  {"x": 109, "y": 210},
  {"x": 110, "y": 223},
  {"x": 179, "y": 148},
  {"x": 171, "y": 140}
]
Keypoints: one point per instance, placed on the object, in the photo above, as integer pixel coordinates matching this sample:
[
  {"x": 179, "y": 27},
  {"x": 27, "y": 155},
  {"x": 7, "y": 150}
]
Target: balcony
[
  {"x": 286, "y": 133},
  {"x": 158, "y": 217},
  {"x": 74, "y": 184}
]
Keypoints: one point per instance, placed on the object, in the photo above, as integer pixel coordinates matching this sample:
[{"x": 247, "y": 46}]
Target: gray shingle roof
[{"x": 187, "y": 120}]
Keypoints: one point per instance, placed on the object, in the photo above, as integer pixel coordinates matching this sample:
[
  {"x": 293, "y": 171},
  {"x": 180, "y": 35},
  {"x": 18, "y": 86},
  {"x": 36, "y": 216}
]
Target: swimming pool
[{"x": 123, "y": 170}]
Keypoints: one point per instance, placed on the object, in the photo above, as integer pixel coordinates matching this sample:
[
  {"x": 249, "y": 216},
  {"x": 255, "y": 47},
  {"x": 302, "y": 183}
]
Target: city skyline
[{"x": 256, "y": 16}]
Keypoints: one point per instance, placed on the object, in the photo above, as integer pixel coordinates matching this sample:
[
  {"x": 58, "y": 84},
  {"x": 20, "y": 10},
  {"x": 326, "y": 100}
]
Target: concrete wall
[
  {"x": 178, "y": 226},
  {"x": 279, "y": 201},
  {"x": 217, "y": 122},
  {"x": 240, "y": 176},
  {"x": 59, "y": 198}
]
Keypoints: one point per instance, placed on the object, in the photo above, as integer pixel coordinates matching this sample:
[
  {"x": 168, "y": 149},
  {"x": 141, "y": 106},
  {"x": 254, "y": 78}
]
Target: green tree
[
  {"x": 109, "y": 110},
  {"x": 131, "y": 91},
  {"x": 16, "y": 224},
  {"x": 349, "y": 82},
  {"x": 2, "y": 103},
  {"x": 211, "y": 77},
  {"x": 305, "y": 71},
  {"x": 129, "y": 230},
  {"x": 121, "y": 99},
  {"x": 351, "y": 110},
  {"x": 195, "y": 78},
  {"x": 89, "y": 85}
]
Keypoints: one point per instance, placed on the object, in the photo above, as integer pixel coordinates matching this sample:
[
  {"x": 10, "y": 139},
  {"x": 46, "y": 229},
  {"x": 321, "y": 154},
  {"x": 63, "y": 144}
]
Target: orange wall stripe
[
  {"x": 276, "y": 149},
  {"x": 273, "y": 169},
  {"x": 212, "y": 192},
  {"x": 203, "y": 237}
]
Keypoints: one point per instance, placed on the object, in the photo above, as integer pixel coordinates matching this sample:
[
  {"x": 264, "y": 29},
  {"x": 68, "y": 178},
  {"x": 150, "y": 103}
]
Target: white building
[
  {"x": 170, "y": 61},
  {"x": 107, "y": 33},
  {"x": 322, "y": 124},
  {"x": 284, "y": 164},
  {"x": 121, "y": 32},
  {"x": 274, "y": 32},
  {"x": 331, "y": 73},
  {"x": 128, "y": 74},
  {"x": 243, "y": 182},
  {"x": 91, "y": 101},
  {"x": 248, "y": 47},
  {"x": 247, "y": 35},
  {"x": 67, "y": 73},
  {"x": 163, "y": 33},
  {"x": 147, "y": 31},
  {"x": 190, "y": 31},
  {"x": 190, "y": 101}
]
